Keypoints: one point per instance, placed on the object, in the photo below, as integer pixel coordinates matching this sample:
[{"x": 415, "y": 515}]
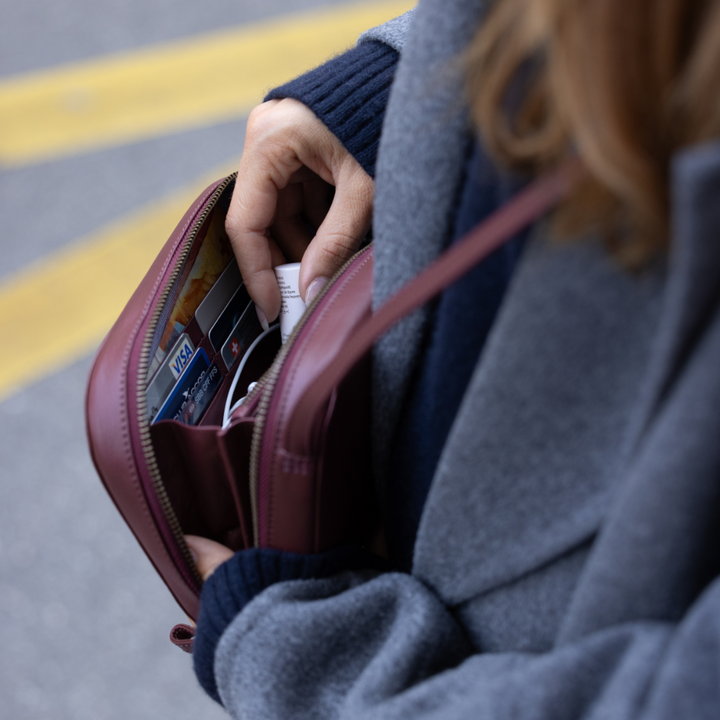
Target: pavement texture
[{"x": 86, "y": 618}]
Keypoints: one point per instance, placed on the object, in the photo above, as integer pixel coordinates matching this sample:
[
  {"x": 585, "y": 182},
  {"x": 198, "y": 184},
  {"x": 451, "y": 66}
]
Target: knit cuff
[
  {"x": 247, "y": 573},
  {"x": 349, "y": 94}
]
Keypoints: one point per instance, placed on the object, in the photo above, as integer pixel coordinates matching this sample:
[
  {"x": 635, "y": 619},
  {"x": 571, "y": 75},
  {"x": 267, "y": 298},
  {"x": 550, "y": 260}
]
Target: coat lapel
[
  {"x": 424, "y": 142},
  {"x": 539, "y": 442}
]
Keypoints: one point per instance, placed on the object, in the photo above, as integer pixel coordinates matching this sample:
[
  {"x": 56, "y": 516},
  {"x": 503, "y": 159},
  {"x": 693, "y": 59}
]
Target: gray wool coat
[{"x": 567, "y": 560}]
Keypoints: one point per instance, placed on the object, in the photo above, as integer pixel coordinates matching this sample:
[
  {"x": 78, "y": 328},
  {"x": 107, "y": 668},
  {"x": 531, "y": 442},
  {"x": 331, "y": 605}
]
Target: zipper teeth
[
  {"x": 144, "y": 426},
  {"x": 267, "y": 382}
]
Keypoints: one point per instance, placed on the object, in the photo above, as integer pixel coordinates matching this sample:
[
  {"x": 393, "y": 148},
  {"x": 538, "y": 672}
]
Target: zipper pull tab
[{"x": 183, "y": 636}]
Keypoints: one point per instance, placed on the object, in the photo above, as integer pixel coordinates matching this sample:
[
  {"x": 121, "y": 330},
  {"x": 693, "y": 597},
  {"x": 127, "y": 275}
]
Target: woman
[{"x": 549, "y": 471}]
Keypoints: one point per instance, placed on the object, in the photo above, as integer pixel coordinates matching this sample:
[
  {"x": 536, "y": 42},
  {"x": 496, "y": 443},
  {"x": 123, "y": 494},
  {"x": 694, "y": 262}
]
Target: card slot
[
  {"x": 193, "y": 330},
  {"x": 206, "y": 260},
  {"x": 228, "y": 316},
  {"x": 174, "y": 292},
  {"x": 235, "y": 446},
  {"x": 255, "y": 366},
  {"x": 204, "y": 469},
  {"x": 213, "y": 416},
  {"x": 195, "y": 474},
  {"x": 204, "y": 343},
  {"x": 258, "y": 362},
  {"x": 178, "y": 285}
]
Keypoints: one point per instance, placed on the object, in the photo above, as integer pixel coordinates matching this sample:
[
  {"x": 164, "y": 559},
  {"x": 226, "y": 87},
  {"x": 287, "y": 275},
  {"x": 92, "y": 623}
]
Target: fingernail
[
  {"x": 314, "y": 289},
  {"x": 262, "y": 318}
]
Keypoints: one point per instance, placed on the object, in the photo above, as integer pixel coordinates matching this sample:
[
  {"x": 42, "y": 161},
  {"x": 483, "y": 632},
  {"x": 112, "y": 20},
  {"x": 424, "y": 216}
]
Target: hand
[
  {"x": 290, "y": 165},
  {"x": 207, "y": 554}
]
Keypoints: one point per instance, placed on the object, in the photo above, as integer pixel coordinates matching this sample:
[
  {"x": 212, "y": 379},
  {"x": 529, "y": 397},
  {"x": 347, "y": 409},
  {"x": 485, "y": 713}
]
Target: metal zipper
[
  {"x": 267, "y": 382},
  {"x": 143, "y": 425}
]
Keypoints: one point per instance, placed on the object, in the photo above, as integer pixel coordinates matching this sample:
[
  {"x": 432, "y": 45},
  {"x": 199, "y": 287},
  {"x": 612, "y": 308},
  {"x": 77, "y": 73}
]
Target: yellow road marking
[
  {"x": 167, "y": 88},
  {"x": 60, "y": 308}
]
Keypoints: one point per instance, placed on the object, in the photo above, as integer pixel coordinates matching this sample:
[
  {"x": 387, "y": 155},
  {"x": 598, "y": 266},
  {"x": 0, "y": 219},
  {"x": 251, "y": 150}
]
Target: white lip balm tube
[{"x": 293, "y": 307}]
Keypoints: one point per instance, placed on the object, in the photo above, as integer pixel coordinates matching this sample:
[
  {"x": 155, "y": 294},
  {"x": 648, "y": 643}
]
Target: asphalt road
[{"x": 85, "y": 618}]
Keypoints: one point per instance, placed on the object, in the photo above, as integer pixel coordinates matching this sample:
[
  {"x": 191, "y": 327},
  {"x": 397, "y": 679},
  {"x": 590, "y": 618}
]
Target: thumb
[
  {"x": 208, "y": 554},
  {"x": 343, "y": 229}
]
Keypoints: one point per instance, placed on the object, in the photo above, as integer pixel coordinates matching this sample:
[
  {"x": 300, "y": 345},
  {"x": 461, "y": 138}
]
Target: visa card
[
  {"x": 180, "y": 356},
  {"x": 192, "y": 377},
  {"x": 160, "y": 386}
]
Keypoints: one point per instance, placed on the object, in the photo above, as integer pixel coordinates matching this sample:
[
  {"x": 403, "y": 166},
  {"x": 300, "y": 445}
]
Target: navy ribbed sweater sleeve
[
  {"x": 236, "y": 582},
  {"x": 349, "y": 94}
]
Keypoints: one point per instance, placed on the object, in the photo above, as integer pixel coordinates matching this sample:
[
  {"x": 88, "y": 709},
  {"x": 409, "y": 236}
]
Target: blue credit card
[
  {"x": 202, "y": 397},
  {"x": 191, "y": 379}
]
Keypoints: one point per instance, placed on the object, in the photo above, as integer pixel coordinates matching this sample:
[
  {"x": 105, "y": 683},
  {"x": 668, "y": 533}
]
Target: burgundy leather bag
[{"x": 292, "y": 470}]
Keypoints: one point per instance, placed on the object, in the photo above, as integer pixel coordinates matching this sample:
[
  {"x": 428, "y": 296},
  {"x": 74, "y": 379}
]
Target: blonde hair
[{"x": 622, "y": 83}]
